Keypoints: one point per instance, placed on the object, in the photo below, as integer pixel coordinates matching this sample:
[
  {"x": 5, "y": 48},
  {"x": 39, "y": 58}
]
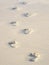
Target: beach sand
[{"x": 36, "y": 19}]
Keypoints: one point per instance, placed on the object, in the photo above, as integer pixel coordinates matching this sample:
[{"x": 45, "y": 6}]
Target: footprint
[
  {"x": 13, "y": 23},
  {"x": 22, "y": 2},
  {"x": 26, "y": 14},
  {"x": 27, "y": 31},
  {"x": 13, "y": 44},
  {"x": 13, "y": 8},
  {"x": 32, "y": 57}
]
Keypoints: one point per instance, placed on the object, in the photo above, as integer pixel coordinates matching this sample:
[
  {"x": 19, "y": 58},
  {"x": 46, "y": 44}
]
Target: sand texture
[{"x": 24, "y": 32}]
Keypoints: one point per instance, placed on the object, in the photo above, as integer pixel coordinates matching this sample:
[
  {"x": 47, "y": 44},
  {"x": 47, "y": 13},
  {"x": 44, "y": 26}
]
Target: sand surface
[{"x": 37, "y": 20}]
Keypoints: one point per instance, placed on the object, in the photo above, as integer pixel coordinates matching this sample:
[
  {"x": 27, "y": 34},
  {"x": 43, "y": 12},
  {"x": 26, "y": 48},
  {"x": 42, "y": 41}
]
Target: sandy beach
[{"x": 24, "y": 29}]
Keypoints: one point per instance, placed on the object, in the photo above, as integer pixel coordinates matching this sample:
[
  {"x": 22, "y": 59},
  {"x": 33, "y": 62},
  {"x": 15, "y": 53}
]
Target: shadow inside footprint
[
  {"x": 25, "y": 31},
  {"x": 26, "y": 14},
  {"x": 13, "y": 8},
  {"x": 23, "y": 3},
  {"x": 11, "y": 44},
  {"x": 13, "y": 23}
]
